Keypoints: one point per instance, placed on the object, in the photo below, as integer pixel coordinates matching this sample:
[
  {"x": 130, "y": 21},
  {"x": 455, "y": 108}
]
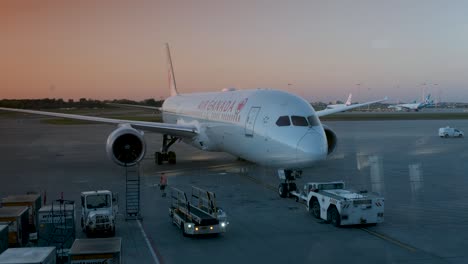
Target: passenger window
[
  {"x": 313, "y": 120},
  {"x": 299, "y": 121},
  {"x": 283, "y": 121}
]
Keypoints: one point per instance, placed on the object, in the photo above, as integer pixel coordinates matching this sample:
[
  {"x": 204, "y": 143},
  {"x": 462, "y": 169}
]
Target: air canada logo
[{"x": 241, "y": 105}]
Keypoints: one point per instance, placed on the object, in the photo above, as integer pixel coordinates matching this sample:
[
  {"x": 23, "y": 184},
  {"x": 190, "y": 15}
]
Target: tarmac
[{"x": 422, "y": 177}]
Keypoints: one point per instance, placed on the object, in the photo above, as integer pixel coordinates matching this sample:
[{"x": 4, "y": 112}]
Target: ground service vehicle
[
  {"x": 32, "y": 201},
  {"x": 98, "y": 211},
  {"x": 97, "y": 250},
  {"x": 331, "y": 202},
  {"x": 56, "y": 226},
  {"x": 450, "y": 132},
  {"x": 3, "y": 238},
  {"x": 198, "y": 216},
  {"x": 29, "y": 255},
  {"x": 17, "y": 219}
]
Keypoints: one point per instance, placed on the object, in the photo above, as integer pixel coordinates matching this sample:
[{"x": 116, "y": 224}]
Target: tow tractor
[
  {"x": 198, "y": 216},
  {"x": 98, "y": 211},
  {"x": 331, "y": 202}
]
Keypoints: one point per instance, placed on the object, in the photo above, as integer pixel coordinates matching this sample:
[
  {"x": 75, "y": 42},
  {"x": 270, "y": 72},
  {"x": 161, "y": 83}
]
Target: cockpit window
[
  {"x": 299, "y": 121},
  {"x": 313, "y": 120},
  {"x": 283, "y": 121}
]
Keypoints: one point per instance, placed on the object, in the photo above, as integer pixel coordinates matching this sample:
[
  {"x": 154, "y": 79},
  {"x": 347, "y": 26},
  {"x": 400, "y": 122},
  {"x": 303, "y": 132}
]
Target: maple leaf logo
[{"x": 241, "y": 105}]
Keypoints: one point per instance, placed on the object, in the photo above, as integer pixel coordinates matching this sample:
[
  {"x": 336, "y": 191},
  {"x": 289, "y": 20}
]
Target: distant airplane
[
  {"x": 333, "y": 106},
  {"x": 414, "y": 106},
  {"x": 269, "y": 127}
]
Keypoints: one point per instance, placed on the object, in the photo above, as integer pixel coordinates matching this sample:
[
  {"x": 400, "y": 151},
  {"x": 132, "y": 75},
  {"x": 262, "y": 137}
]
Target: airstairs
[{"x": 132, "y": 192}]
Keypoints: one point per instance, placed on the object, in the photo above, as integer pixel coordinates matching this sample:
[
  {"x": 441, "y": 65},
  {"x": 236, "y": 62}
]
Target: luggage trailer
[{"x": 198, "y": 216}]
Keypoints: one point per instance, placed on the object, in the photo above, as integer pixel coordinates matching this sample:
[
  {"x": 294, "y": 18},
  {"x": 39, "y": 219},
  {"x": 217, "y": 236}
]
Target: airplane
[
  {"x": 413, "y": 106},
  {"x": 269, "y": 127},
  {"x": 333, "y": 106}
]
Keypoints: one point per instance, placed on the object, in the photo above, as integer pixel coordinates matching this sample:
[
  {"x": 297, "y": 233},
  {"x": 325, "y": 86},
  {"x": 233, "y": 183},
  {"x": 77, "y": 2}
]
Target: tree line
[{"x": 48, "y": 103}]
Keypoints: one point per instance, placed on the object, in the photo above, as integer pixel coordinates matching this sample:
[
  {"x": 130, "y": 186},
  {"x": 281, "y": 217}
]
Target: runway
[{"x": 423, "y": 178}]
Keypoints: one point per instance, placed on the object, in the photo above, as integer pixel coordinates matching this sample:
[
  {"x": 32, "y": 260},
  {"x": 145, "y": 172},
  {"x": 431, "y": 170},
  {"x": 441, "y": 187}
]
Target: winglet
[{"x": 171, "y": 78}]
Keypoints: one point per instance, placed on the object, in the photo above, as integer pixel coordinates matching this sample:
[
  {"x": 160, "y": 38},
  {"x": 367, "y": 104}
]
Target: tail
[
  {"x": 348, "y": 102},
  {"x": 428, "y": 98},
  {"x": 171, "y": 78}
]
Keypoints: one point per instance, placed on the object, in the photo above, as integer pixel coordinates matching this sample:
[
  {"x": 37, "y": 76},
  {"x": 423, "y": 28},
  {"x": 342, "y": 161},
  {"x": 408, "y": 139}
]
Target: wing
[
  {"x": 345, "y": 108},
  {"x": 136, "y": 106},
  {"x": 186, "y": 131}
]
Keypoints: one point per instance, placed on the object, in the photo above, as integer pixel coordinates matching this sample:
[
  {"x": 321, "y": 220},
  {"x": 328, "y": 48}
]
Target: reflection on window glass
[
  {"x": 313, "y": 120},
  {"x": 283, "y": 121},
  {"x": 98, "y": 201},
  {"x": 299, "y": 121}
]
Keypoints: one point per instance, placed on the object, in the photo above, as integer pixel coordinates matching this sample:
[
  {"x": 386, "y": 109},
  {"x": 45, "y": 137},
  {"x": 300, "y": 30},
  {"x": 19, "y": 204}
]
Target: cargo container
[
  {"x": 96, "y": 250},
  {"x": 32, "y": 201},
  {"x": 56, "y": 225},
  {"x": 17, "y": 219},
  {"x": 30, "y": 255},
  {"x": 3, "y": 238}
]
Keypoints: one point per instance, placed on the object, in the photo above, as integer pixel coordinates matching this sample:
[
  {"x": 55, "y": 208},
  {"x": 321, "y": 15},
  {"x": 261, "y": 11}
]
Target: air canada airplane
[
  {"x": 268, "y": 127},
  {"x": 333, "y": 106}
]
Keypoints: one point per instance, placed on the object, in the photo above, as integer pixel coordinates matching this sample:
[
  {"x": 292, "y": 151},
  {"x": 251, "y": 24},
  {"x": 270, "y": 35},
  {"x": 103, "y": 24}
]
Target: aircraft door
[{"x": 250, "y": 122}]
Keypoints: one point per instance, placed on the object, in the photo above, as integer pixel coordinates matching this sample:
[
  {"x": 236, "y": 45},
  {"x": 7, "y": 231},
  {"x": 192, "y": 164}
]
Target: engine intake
[
  {"x": 126, "y": 146},
  {"x": 331, "y": 139}
]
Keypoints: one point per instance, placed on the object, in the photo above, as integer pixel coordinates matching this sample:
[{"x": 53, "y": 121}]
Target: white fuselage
[
  {"x": 243, "y": 123},
  {"x": 333, "y": 106},
  {"x": 413, "y": 106}
]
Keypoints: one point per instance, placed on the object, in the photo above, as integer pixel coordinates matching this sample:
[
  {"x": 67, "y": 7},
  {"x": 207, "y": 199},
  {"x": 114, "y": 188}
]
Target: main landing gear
[
  {"x": 165, "y": 155},
  {"x": 288, "y": 186}
]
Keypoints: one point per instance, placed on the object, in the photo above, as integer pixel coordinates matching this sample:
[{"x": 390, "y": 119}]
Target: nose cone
[{"x": 312, "y": 147}]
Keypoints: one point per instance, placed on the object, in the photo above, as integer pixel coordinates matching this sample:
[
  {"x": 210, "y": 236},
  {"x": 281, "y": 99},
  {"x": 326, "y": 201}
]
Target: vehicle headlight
[
  {"x": 189, "y": 225},
  {"x": 223, "y": 224}
]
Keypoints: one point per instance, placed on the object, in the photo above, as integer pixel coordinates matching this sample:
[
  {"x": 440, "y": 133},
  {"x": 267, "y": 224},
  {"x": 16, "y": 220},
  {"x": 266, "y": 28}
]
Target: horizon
[
  {"x": 321, "y": 51},
  {"x": 66, "y": 100}
]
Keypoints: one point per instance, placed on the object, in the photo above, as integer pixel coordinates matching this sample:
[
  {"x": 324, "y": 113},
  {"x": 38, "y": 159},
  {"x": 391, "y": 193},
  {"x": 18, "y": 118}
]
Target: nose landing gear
[{"x": 288, "y": 186}]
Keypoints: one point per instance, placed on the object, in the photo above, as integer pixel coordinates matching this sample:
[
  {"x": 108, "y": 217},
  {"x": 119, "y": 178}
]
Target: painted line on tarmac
[
  {"x": 391, "y": 240},
  {"x": 169, "y": 171},
  {"x": 148, "y": 243},
  {"x": 259, "y": 182}
]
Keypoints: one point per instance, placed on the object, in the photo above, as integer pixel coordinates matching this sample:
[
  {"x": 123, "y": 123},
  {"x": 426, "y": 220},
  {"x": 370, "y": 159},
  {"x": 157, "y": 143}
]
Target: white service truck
[
  {"x": 450, "y": 132},
  {"x": 331, "y": 202},
  {"x": 98, "y": 212},
  {"x": 198, "y": 216}
]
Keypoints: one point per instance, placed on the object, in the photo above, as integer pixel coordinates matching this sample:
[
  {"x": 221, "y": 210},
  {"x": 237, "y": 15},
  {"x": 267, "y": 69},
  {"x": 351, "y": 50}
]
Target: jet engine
[
  {"x": 331, "y": 139},
  {"x": 126, "y": 146}
]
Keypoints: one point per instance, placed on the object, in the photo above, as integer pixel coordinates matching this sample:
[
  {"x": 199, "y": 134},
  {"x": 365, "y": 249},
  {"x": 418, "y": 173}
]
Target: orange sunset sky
[{"x": 322, "y": 49}]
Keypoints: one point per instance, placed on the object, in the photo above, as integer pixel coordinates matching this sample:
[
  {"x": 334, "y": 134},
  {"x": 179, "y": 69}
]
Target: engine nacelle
[
  {"x": 126, "y": 146},
  {"x": 331, "y": 139}
]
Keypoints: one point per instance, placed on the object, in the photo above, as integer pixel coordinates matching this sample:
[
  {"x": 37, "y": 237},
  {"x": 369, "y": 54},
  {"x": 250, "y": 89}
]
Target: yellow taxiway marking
[{"x": 391, "y": 240}]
